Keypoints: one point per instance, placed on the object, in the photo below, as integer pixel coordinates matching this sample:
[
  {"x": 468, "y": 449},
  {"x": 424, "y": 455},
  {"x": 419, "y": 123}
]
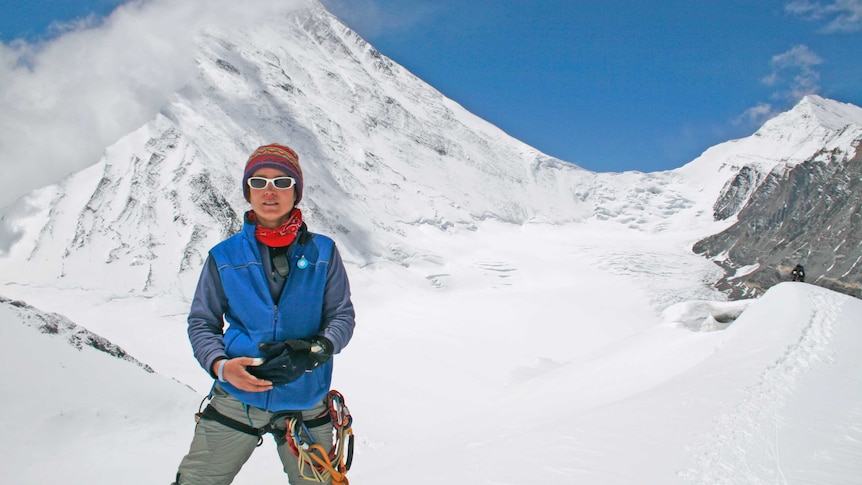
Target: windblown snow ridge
[{"x": 75, "y": 335}]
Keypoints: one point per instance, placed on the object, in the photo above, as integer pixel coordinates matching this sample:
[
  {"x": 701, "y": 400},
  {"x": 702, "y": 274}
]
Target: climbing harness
[{"x": 315, "y": 462}]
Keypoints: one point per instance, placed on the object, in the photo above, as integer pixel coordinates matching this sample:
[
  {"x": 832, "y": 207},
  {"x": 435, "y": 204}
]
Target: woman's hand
[{"x": 234, "y": 372}]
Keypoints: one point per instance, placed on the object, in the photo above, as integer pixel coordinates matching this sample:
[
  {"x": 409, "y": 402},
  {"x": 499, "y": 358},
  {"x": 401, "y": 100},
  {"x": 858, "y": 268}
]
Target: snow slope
[
  {"x": 80, "y": 415},
  {"x": 518, "y": 366}
]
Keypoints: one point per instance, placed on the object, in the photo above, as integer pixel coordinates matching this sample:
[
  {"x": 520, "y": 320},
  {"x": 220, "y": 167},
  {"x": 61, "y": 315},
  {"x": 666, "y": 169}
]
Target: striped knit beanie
[{"x": 275, "y": 156}]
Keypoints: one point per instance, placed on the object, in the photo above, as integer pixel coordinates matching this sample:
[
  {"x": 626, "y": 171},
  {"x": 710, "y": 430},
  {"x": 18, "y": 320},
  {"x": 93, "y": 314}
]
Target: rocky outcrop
[
  {"x": 810, "y": 214},
  {"x": 736, "y": 192}
]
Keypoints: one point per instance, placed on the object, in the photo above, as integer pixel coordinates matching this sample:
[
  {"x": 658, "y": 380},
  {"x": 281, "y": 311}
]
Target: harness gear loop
[{"x": 314, "y": 462}]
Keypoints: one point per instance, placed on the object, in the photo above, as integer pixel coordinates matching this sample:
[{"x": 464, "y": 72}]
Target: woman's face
[{"x": 271, "y": 205}]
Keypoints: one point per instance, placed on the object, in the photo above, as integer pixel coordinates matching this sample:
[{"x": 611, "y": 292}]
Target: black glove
[
  {"x": 285, "y": 361},
  {"x": 320, "y": 350}
]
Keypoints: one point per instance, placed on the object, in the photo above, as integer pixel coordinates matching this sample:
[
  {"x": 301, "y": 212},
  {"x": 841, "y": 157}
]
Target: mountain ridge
[
  {"x": 381, "y": 150},
  {"x": 795, "y": 199}
]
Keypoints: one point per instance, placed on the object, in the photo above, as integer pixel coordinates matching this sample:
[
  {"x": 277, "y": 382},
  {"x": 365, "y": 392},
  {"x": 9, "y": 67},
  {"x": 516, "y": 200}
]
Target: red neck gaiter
[{"x": 282, "y": 235}]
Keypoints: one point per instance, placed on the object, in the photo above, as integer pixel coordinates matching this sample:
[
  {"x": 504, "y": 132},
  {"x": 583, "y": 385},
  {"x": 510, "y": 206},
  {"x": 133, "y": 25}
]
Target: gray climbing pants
[{"x": 218, "y": 452}]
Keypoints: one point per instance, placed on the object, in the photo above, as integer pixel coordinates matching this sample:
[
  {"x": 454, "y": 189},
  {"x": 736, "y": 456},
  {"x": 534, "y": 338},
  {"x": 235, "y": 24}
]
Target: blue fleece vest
[{"x": 253, "y": 316}]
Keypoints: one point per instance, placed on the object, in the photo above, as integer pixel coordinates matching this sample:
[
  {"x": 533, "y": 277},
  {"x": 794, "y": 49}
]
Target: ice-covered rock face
[{"x": 736, "y": 192}]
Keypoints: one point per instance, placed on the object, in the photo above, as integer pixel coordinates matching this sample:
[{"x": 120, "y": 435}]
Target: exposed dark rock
[
  {"x": 736, "y": 192},
  {"x": 810, "y": 214}
]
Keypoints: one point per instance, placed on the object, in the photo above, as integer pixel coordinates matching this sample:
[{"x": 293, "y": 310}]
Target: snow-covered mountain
[
  {"x": 813, "y": 126},
  {"x": 797, "y": 198},
  {"x": 381, "y": 150},
  {"x": 517, "y": 297}
]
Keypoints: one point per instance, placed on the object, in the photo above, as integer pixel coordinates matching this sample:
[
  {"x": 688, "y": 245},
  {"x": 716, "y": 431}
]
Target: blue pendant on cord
[{"x": 302, "y": 263}]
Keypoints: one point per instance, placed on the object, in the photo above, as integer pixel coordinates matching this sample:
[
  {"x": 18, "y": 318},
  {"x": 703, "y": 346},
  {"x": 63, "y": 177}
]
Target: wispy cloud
[
  {"x": 366, "y": 18},
  {"x": 793, "y": 75},
  {"x": 756, "y": 115},
  {"x": 837, "y": 16}
]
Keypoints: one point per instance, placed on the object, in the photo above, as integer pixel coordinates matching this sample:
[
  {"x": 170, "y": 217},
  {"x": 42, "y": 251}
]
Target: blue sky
[{"x": 611, "y": 85}]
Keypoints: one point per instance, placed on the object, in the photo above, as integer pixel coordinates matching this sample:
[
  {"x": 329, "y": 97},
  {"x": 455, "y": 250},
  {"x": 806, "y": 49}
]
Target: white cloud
[
  {"x": 363, "y": 16},
  {"x": 63, "y": 101},
  {"x": 369, "y": 20},
  {"x": 838, "y": 16},
  {"x": 794, "y": 74},
  {"x": 756, "y": 115}
]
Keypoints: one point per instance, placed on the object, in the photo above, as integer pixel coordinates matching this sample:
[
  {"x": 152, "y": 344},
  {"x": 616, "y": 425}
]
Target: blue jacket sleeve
[
  {"x": 338, "y": 314},
  {"x": 206, "y": 317}
]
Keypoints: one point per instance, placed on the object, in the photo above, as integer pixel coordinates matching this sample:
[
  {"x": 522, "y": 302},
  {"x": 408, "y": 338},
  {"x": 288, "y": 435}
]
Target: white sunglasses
[{"x": 282, "y": 183}]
